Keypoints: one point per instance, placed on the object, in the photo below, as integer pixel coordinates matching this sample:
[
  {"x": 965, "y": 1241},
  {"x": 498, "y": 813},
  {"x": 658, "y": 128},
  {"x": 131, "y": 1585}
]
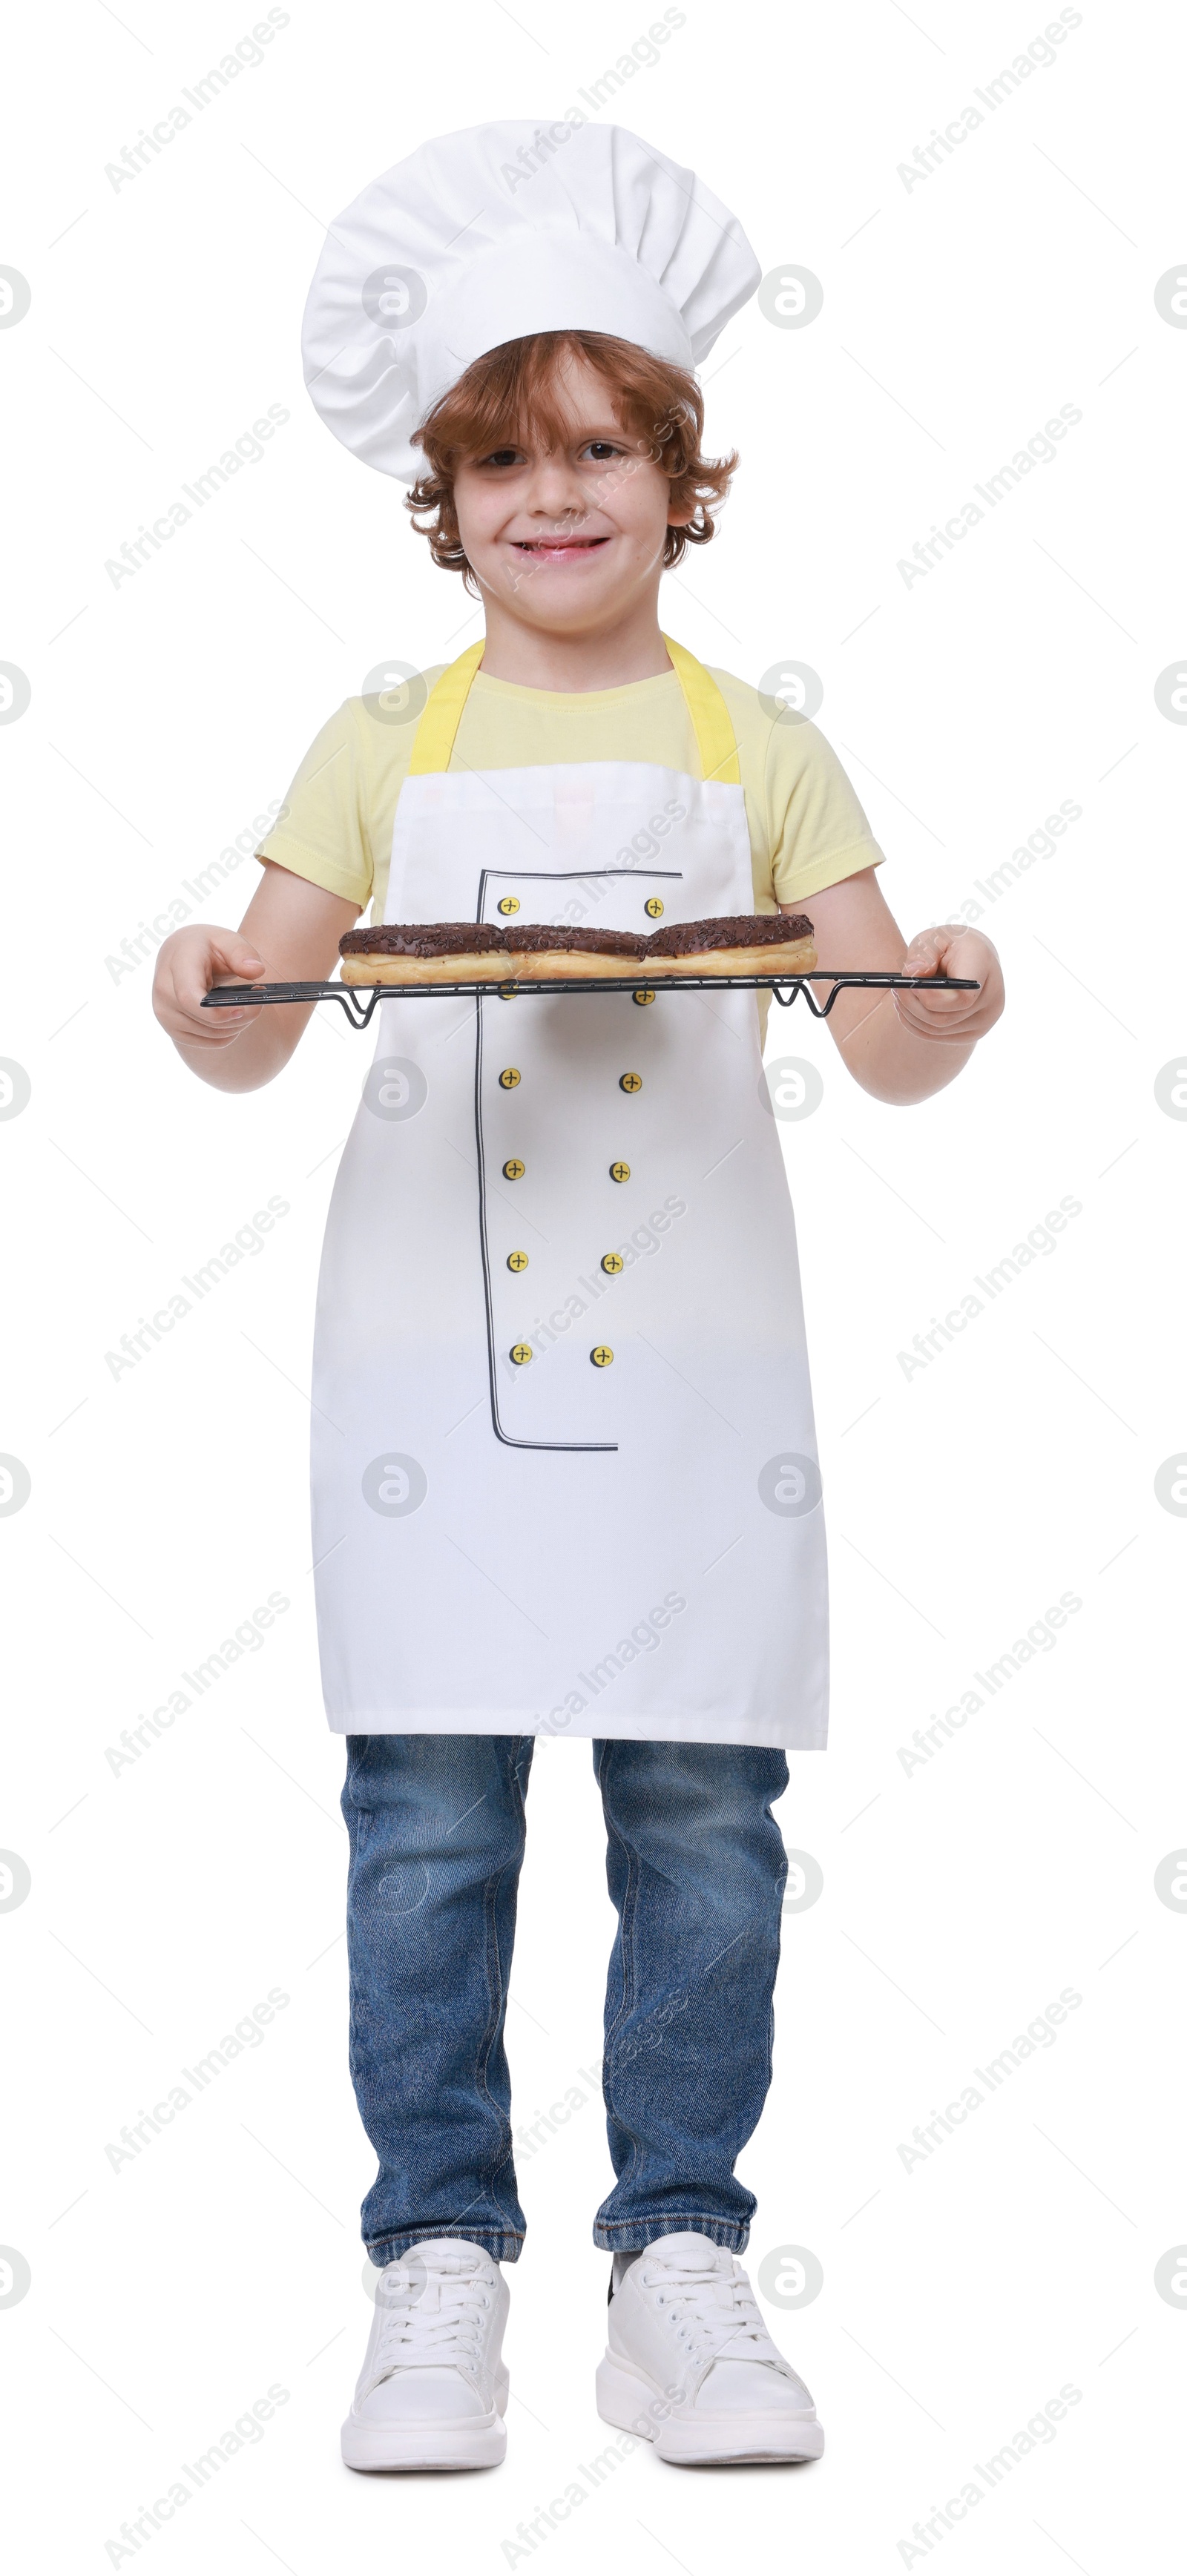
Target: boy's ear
[{"x": 680, "y": 517}]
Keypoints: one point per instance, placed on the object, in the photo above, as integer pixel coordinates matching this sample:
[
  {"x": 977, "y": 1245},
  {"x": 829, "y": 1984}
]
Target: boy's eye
[
  {"x": 600, "y": 448},
  {"x": 502, "y": 456}
]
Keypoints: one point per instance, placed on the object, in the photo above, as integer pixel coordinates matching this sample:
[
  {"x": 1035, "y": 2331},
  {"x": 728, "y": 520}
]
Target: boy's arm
[
  {"x": 289, "y": 934},
  {"x": 901, "y": 1046}
]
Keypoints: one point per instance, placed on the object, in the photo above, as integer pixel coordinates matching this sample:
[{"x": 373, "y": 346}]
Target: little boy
[{"x": 510, "y": 1540}]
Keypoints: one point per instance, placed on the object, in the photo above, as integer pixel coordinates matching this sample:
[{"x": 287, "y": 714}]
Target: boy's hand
[
  {"x": 189, "y": 963},
  {"x": 911, "y": 1051},
  {"x": 292, "y": 924},
  {"x": 957, "y": 1018}
]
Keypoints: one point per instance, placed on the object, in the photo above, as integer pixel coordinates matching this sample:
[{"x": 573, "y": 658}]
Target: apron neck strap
[
  {"x": 432, "y": 747},
  {"x": 436, "y": 733},
  {"x": 709, "y": 716}
]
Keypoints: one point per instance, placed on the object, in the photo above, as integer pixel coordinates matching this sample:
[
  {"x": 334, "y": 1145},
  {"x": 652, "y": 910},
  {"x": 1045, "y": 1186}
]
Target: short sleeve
[
  {"x": 819, "y": 830},
  {"x": 807, "y": 827},
  {"x": 323, "y": 830}
]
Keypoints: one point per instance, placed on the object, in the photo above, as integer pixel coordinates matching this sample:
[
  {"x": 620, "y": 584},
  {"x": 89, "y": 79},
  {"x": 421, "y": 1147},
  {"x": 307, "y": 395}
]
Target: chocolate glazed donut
[
  {"x": 542, "y": 953},
  {"x": 425, "y": 952},
  {"x": 760, "y": 943}
]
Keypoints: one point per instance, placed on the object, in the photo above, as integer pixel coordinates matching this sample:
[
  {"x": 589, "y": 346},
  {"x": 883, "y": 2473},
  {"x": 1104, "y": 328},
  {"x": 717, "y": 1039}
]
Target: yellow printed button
[
  {"x": 643, "y": 997},
  {"x": 521, "y": 1351},
  {"x": 514, "y": 1170},
  {"x": 508, "y": 903},
  {"x": 517, "y": 1261},
  {"x": 612, "y": 1261},
  {"x": 509, "y": 1077},
  {"x": 630, "y": 1082},
  {"x": 601, "y": 1357},
  {"x": 653, "y": 906},
  {"x": 618, "y": 1171}
]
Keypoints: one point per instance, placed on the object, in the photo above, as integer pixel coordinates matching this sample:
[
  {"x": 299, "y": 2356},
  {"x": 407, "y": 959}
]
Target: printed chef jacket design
[{"x": 564, "y": 1464}]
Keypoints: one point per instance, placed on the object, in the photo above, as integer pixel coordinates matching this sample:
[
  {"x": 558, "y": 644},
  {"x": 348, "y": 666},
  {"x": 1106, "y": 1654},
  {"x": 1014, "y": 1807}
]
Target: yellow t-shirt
[{"x": 807, "y": 829}]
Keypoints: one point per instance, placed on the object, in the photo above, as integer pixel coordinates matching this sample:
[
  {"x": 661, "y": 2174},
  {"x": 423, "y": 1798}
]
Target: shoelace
[
  {"x": 714, "y": 2307},
  {"x": 437, "y": 2319}
]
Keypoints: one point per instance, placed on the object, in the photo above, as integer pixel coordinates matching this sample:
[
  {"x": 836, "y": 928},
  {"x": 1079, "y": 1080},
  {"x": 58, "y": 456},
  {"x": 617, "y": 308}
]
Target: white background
[{"x": 960, "y": 1897}]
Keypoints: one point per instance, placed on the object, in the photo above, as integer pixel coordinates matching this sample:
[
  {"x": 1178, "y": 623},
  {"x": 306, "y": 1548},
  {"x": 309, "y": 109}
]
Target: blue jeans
[{"x": 695, "y": 1867}]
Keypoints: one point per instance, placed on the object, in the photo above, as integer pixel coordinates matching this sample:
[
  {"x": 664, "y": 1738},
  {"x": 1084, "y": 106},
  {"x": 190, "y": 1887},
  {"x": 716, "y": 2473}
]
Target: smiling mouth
[{"x": 557, "y": 545}]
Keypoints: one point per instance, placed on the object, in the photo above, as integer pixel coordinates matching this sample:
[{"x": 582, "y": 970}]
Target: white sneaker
[
  {"x": 433, "y": 2389},
  {"x": 690, "y": 2366}
]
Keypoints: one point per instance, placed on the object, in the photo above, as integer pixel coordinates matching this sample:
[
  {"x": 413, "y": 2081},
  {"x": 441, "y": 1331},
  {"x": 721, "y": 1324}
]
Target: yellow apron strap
[
  {"x": 437, "y": 731},
  {"x": 710, "y": 717}
]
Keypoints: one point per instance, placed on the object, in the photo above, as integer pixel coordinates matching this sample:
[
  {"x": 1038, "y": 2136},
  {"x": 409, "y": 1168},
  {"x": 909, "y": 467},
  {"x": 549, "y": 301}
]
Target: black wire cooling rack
[{"x": 785, "y": 988}]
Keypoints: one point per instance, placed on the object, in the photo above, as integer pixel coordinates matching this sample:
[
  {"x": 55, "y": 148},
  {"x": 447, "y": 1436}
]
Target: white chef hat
[{"x": 486, "y": 236}]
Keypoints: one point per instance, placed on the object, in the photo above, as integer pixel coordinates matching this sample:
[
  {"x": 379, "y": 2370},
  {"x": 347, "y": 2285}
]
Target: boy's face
[{"x": 566, "y": 537}]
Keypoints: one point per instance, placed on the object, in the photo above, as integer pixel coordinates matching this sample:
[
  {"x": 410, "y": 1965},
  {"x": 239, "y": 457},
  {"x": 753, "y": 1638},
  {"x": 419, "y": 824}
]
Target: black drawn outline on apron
[{"x": 524, "y": 876}]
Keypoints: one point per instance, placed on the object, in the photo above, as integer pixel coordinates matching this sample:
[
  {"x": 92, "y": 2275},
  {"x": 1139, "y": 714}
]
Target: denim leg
[
  {"x": 436, "y": 1825},
  {"x": 695, "y": 1867}
]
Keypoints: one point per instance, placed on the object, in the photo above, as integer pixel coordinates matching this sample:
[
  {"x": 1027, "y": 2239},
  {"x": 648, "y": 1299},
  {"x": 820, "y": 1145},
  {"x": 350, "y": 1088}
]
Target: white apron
[{"x": 618, "y": 1531}]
